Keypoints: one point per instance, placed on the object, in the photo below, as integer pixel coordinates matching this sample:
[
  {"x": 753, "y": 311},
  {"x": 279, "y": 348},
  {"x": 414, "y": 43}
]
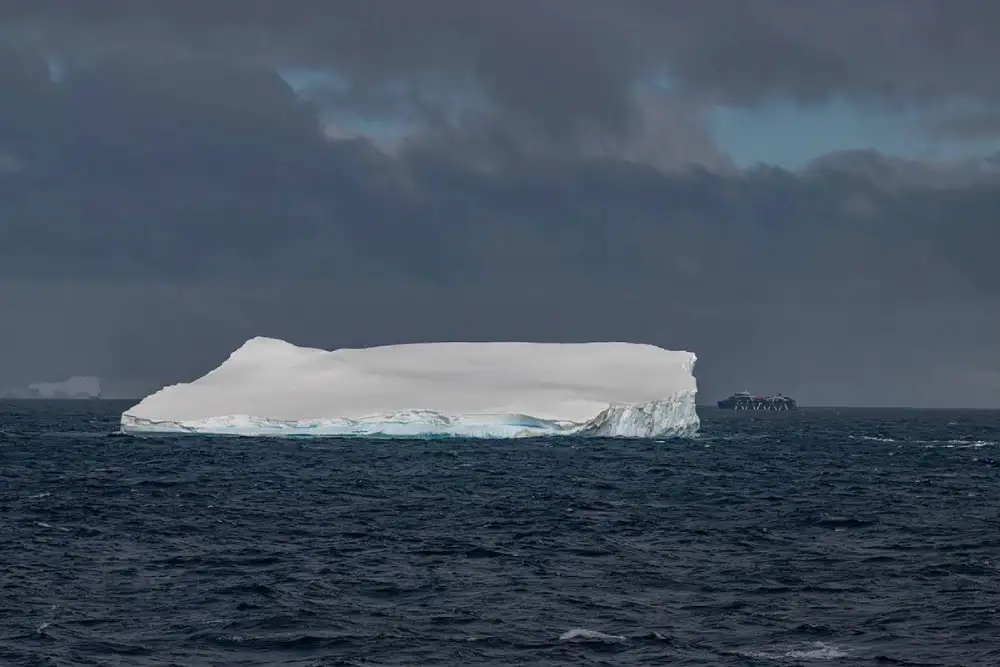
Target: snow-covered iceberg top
[{"x": 485, "y": 390}]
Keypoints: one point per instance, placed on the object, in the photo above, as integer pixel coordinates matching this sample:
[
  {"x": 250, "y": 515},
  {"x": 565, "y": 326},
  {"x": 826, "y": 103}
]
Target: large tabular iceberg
[{"x": 485, "y": 390}]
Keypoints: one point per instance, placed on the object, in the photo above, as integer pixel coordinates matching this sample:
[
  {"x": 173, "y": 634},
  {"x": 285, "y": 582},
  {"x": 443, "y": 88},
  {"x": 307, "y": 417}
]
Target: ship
[{"x": 744, "y": 400}]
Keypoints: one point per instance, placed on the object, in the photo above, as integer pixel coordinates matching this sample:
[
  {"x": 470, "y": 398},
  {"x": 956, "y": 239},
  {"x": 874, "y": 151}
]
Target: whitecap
[
  {"x": 583, "y": 634},
  {"x": 815, "y": 651}
]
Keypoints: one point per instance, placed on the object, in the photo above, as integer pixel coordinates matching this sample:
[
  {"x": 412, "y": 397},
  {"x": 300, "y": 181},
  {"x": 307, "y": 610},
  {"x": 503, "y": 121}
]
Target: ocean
[{"x": 823, "y": 537}]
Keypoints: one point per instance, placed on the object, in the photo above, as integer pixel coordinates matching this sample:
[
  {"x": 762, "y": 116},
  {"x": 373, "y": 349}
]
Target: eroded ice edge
[{"x": 476, "y": 390}]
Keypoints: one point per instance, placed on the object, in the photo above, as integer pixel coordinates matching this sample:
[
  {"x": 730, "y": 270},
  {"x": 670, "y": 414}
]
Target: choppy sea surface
[{"x": 824, "y": 537}]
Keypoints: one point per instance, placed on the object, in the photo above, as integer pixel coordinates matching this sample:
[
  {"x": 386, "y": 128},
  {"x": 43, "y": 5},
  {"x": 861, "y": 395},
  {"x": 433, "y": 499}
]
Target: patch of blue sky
[{"x": 790, "y": 135}]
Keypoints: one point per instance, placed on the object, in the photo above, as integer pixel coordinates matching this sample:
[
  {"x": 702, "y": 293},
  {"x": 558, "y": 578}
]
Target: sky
[
  {"x": 802, "y": 192},
  {"x": 790, "y": 136}
]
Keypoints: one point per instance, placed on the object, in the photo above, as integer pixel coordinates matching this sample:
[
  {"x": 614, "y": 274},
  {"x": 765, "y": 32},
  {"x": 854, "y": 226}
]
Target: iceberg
[
  {"x": 269, "y": 387},
  {"x": 77, "y": 387}
]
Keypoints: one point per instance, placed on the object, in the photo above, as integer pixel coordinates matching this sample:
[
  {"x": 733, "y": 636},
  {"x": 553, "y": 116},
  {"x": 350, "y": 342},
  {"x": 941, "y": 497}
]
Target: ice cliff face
[
  {"x": 486, "y": 390},
  {"x": 675, "y": 416}
]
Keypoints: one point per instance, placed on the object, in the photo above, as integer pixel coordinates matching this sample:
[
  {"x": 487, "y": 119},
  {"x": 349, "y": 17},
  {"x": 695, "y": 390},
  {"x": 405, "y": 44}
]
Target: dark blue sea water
[{"x": 819, "y": 538}]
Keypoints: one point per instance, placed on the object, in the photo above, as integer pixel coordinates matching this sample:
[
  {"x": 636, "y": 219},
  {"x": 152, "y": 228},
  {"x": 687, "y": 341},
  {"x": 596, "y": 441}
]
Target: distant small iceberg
[
  {"x": 76, "y": 387},
  {"x": 475, "y": 390}
]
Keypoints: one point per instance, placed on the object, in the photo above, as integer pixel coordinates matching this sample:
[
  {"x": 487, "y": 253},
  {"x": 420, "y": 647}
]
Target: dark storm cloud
[
  {"x": 162, "y": 212},
  {"x": 892, "y": 173},
  {"x": 563, "y": 66},
  {"x": 970, "y": 126},
  {"x": 899, "y": 50},
  {"x": 546, "y": 64}
]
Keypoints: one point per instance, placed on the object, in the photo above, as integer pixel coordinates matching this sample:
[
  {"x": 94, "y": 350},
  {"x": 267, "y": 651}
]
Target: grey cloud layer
[
  {"x": 152, "y": 216},
  {"x": 559, "y": 67}
]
